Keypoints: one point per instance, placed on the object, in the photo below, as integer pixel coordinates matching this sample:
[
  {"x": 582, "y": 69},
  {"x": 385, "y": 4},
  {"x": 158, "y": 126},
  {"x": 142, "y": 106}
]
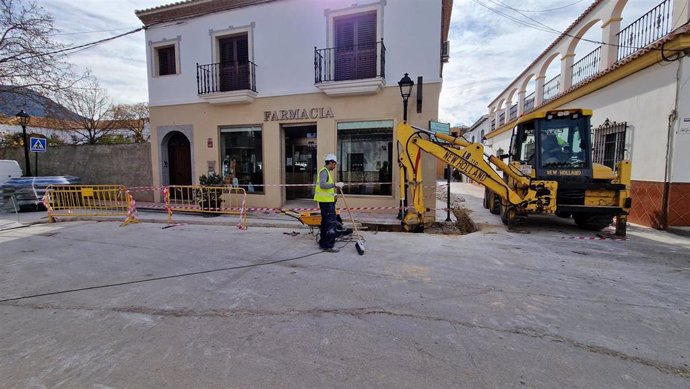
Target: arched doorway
[{"x": 180, "y": 159}]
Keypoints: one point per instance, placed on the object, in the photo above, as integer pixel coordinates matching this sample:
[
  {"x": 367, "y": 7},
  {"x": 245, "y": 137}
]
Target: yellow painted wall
[{"x": 206, "y": 119}]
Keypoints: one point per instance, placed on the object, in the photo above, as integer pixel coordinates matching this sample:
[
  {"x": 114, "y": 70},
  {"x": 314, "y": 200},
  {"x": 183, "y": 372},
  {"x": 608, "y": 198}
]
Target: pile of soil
[{"x": 464, "y": 225}]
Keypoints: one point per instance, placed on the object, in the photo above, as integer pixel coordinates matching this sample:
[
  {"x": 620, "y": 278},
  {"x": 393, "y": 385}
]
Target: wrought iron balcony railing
[
  {"x": 587, "y": 67},
  {"x": 552, "y": 87},
  {"x": 647, "y": 29},
  {"x": 344, "y": 63},
  {"x": 529, "y": 102},
  {"x": 513, "y": 112},
  {"x": 225, "y": 77}
]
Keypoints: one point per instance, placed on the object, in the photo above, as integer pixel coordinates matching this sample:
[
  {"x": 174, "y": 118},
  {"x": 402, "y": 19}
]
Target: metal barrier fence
[
  {"x": 86, "y": 201},
  {"x": 228, "y": 200}
]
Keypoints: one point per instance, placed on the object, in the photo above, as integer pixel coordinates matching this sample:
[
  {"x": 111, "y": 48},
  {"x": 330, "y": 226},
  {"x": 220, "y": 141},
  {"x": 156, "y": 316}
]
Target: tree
[
  {"x": 29, "y": 59},
  {"x": 89, "y": 116},
  {"x": 135, "y": 118},
  {"x": 11, "y": 139}
]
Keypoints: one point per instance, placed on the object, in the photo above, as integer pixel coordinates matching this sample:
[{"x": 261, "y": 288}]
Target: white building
[
  {"x": 260, "y": 91},
  {"x": 637, "y": 82}
]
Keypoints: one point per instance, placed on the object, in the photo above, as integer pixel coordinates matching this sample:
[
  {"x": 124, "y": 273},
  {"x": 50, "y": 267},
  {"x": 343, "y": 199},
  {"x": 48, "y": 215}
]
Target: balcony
[
  {"x": 587, "y": 67},
  {"x": 227, "y": 82},
  {"x": 650, "y": 27},
  {"x": 350, "y": 70}
]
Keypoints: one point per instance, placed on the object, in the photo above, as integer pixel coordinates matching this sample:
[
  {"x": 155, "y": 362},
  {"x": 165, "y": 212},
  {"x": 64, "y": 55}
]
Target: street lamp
[
  {"x": 24, "y": 120},
  {"x": 406, "y": 85}
]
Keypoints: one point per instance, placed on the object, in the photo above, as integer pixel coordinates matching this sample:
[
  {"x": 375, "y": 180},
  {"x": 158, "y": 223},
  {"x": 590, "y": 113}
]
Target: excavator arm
[{"x": 524, "y": 196}]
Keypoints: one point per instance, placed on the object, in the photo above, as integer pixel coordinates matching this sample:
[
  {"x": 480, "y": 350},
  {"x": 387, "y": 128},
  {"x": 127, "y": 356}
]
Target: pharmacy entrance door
[{"x": 300, "y": 161}]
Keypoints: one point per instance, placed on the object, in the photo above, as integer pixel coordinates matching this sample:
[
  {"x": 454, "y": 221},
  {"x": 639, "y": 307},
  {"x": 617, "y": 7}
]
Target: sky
[{"x": 491, "y": 43}]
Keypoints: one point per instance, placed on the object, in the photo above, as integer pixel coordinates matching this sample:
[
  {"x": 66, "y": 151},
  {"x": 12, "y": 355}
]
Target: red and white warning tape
[{"x": 594, "y": 238}]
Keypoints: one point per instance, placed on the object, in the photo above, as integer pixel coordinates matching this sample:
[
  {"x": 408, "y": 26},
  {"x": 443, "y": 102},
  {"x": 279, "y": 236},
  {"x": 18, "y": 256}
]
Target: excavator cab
[{"x": 554, "y": 145}]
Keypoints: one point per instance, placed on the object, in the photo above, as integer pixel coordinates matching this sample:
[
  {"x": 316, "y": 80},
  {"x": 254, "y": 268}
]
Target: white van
[{"x": 9, "y": 169}]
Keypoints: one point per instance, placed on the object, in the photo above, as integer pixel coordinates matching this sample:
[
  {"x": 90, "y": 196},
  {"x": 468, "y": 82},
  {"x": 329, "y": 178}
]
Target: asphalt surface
[{"x": 89, "y": 304}]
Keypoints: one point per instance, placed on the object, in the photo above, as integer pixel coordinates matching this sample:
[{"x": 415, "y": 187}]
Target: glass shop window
[
  {"x": 242, "y": 158},
  {"x": 365, "y": 156}
]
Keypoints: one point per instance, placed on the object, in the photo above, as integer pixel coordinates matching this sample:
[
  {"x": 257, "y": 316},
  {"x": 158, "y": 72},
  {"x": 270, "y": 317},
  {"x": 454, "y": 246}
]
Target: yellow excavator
[{"x": 549, "y": 171}]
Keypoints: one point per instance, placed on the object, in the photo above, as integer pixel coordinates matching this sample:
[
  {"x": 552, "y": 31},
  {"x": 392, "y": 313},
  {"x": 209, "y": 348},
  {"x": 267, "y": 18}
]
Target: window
[
  {"x": 609, "y": 143},
  {"x": 355, "y": 46},
  {"x": 526, "y": 146},
  {"x": 241, "y": 153},
  {"x": 233, "y": 52},
  {"x": 562, "y": 145},
  {"x": 365, "y": 155},
  {"x": 166, "y": 60}
]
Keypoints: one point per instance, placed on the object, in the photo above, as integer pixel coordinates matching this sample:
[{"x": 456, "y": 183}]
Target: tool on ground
[
  {"x": 359, "y": 243},
  {"x": 311, "y": 219}
]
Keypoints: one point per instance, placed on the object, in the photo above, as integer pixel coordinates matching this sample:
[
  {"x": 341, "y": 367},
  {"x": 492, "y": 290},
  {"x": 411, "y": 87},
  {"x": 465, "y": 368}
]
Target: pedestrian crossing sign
[{"x": 38, "y": 145}]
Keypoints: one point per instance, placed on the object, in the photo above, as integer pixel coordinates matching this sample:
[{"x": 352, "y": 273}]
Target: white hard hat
[{"x": 331, "y": 157}]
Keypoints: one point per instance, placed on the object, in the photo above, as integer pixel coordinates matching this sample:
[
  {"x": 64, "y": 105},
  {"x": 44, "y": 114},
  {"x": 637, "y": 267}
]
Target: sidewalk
[{"x": 465, "y": 195}]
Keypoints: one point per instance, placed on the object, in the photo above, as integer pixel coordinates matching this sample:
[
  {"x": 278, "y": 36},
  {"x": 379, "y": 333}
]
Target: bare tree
[
  {"x": 89, "y": 112},
  {"x": 29, "y": 59},
  {"x": 135, "y": 118}
]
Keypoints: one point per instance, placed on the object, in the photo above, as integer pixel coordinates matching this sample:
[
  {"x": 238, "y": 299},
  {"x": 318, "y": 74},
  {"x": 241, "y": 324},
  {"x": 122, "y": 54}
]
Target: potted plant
[{"x": 210, "y": 199}]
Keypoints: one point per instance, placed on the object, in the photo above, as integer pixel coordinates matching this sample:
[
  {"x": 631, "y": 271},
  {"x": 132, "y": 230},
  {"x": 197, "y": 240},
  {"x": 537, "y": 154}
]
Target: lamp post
[
  {"x": 406, "y": 85},
  {"x": 24, "y": 120}
]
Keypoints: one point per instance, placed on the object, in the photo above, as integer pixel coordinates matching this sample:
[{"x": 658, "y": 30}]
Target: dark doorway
[
  {"x": 180, "y": 159},
  {"x": 300, "y": 161}
]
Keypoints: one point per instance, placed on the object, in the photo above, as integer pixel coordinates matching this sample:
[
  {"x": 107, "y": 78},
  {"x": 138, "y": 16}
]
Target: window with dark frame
[
  {"x": 166, "y": 60},
  {"x": 234, "y": 62},
  {"x": 355, "y": 46}
]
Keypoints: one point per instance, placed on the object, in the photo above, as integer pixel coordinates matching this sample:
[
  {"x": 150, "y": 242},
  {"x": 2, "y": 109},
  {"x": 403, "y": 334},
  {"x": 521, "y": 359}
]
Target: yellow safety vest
[{"x": 324, "y": 195}]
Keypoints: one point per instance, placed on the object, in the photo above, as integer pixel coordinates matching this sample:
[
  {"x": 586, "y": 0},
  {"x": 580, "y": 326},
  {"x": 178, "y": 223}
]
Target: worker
[
  {"x": 551, "y": 149},
  {"x": 324, "y": 194}
]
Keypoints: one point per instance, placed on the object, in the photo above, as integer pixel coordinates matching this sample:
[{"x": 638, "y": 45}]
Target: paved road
[{"x": 145, "y": 306}]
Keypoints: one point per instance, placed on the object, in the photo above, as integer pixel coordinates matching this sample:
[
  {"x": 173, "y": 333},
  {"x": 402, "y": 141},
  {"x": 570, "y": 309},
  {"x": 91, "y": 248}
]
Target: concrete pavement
[{"x": 91, "y": 304}]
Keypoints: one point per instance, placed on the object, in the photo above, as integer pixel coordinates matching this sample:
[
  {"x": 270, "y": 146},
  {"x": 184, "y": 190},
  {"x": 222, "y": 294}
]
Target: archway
[{"x": 179, "y": 159}]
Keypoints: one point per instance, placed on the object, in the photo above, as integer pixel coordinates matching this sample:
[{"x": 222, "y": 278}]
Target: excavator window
[
  {"x": 527, "y": 147},
  {"x": 561, "y": 145}
]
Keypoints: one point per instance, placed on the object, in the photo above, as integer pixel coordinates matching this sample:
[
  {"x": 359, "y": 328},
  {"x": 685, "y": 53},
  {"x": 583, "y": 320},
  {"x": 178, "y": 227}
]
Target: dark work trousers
[{"x": 328, "y": 226}]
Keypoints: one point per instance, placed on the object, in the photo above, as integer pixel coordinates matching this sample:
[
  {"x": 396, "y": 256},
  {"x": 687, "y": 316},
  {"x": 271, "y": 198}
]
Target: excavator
[{"x": 549, "y": 170}]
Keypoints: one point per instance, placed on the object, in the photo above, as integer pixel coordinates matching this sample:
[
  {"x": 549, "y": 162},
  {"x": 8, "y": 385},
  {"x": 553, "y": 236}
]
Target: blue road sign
[{"x": 38, "y": 145}]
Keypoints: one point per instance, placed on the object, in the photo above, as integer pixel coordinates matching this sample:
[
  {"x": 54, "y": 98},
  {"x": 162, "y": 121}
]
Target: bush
[{"x": 210, "y": 199}]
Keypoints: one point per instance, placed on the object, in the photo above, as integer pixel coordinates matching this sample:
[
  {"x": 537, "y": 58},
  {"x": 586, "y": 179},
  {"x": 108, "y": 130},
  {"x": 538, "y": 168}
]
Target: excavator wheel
[
  {"x": 494, "y": 203},
  {"x": 508, "y": 216},
  {"x": 487, "y": 193},
  {"x": 592, "y": 222}
]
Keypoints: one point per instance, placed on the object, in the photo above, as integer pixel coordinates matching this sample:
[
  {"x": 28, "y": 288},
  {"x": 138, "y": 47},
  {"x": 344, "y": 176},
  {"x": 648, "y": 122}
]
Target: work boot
[{"x": 331, "y": 250}]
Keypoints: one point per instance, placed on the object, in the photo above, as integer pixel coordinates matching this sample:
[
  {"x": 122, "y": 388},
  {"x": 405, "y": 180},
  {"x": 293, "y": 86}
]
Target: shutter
[
  {"x": 234, "y": 66},
  {"x": 227, "y": 50},
  {"x": 344, "y": 49},
  {"x": 366, "y": 46},
  {"x": 242, "y": 49}
]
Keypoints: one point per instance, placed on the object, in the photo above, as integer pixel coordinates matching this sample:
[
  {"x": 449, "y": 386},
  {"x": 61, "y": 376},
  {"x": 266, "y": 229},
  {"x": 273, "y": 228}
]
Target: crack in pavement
[{"x": 360, "y": 313}]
